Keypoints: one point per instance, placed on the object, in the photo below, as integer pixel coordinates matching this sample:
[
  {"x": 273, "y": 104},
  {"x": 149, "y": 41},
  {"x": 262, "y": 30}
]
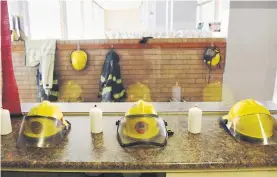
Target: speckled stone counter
[{"x": 81, "y": 151}]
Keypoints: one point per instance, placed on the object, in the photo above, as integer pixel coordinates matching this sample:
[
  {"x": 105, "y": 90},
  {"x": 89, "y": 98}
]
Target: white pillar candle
[
  {"x": 96, "y": 122},
  {"x": 176, "y": 92},
  {"x": 195, "y": 120},
  {"x": 6, "y": 125}
]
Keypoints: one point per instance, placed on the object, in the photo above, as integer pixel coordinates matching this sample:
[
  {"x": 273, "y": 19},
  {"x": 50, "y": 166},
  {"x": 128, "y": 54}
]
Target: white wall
[
  {"x": 251, "y": 59},
  {"x": 123, "y": 20},
  {"x": 184, "y": 15},
  {"x": 224, "y": 10},
  {"x": 20, "y": 8}
]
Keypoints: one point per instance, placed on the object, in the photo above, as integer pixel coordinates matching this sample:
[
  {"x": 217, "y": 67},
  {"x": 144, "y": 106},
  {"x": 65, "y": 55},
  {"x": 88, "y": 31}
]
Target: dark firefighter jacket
[
  {"x": 54, "y": 92},
  {"x": 111, "y": 88}
]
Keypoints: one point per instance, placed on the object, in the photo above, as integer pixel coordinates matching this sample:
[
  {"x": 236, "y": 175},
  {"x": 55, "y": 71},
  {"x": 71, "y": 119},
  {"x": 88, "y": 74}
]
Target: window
[
  {"x": 44, "y": 19},
  {"x": 60, "y": 19},
  {"x": 72, "y": 19}
]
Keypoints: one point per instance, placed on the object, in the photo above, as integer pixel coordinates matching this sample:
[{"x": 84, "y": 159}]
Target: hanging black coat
[{"x": 111, "y": 87}]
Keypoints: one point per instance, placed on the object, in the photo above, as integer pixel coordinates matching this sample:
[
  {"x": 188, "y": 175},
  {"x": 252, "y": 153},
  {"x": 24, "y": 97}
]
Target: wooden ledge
[{"x": 20, "y": 47}]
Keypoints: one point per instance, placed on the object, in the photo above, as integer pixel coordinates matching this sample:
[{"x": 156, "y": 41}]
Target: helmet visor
[
  {"x": 254, "y": 128},
  {"x": 141, "y": 130},
  {"x": 39, "y": 131}
]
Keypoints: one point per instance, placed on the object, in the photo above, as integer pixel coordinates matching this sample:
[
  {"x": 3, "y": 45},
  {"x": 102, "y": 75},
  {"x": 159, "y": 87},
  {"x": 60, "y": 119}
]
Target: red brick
[
  {"x": 176, "y": 62},
  {"x": 184, "y": 57},
  {"x": 199, "y": 81},
  {"x": 158, "y": 68}
]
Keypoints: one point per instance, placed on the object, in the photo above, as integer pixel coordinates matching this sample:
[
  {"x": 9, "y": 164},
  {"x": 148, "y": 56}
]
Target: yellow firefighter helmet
[
  {"x": 71, "y": 92},
  {"x": 251, "y": 121},
  {"x": 212, "y": 56},
  {"x": 79, "y": 59},
  {"x": 44, "y": 126},
  {"x": 142, "y": 125},
  {"x": 138, "y": 91}
]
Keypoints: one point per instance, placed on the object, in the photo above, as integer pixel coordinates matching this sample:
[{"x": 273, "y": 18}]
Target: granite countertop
[{"x": 212, "y": 149}]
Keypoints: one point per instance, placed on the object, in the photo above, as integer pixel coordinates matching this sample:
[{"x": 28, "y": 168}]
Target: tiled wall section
[{"x": 157, "y": 68}]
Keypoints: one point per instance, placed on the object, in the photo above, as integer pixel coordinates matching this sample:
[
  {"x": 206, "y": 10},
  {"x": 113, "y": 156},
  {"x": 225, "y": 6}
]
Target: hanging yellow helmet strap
[{"x": 212, "y": 58}]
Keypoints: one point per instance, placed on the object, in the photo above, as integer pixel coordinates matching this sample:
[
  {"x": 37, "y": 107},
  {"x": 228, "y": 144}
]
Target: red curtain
[{"x": 10, "y": 97}]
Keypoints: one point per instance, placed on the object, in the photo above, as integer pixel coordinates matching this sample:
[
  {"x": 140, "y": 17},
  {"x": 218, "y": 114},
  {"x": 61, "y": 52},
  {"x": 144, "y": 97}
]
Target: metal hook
[{"x": 212, "y": 44}]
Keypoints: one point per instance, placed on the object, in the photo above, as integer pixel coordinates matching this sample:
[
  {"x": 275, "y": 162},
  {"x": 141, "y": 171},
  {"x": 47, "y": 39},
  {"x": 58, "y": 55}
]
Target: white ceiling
[{"x": 119, "y": 4}]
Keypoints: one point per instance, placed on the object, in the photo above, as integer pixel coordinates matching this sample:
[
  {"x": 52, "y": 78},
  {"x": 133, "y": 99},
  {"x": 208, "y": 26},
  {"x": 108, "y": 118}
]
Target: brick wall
[{"x": 159, "y": 68}]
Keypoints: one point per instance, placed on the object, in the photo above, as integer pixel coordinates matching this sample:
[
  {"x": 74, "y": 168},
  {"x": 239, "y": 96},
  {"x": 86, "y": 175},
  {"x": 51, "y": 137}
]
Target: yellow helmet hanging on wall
[
  {"x": 249, "y": 120},
  {"x": 141, "y": 125},
  {"x": 212, "y": 56},
  {"x": 78, "y": 59},
  {"x": 44, "y": 126}
]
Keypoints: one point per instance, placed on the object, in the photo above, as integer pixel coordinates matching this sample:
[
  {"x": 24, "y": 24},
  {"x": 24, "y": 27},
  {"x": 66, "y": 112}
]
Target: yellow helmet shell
[
  {"x": 247, "y": 107},
  {"x": 251, "y": 119},
  {"x": 215, "y": 61},
  {"x": 140, "y": 108},
  {"x": 79, "y": 60},
  {"x": 141, "y": 121},
  {"x": 71, "y": 92},
  {"x": 141, "y": 127},
  {"x": 47, "y": 109},
  {"x": 212, "y": 92},
  {"x": 45, "y": 124},
  {"x": 138, "y": 91}
]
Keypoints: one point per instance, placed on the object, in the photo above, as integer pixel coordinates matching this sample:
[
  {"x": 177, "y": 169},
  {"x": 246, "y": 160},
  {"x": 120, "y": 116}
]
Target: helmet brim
[
  {"x": 157, "y": 137},
  {"x": 263, "y": 135},
  {"x": 26, "y": 138}
]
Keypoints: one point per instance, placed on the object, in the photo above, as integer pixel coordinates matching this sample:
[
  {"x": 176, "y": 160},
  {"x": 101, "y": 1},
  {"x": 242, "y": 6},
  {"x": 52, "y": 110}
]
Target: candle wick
[{"x": 95, "y": 106}]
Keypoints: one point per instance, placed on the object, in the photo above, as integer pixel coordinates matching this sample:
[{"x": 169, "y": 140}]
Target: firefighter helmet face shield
[
  {"x": 41, "y": 131},
  {"x": 143, "y": 129},
  {"x": 252, "y": 128}
]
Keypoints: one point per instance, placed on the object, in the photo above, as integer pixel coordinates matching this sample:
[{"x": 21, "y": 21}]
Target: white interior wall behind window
[
  {"x": 45, "y": 19},
  {"x": 88, "y": 19},
  {"x": 98, "y": 23},
  {"x": 85, "y": 20},
  {"x": 207, "y": 12},
  {"x": 129, "y": 20},
  {"x": 20, "y": 8},
  {"x": 184, "y": 15},
  {"x": 82, "y": 19},
  {"x": 74, "y": 21}
]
